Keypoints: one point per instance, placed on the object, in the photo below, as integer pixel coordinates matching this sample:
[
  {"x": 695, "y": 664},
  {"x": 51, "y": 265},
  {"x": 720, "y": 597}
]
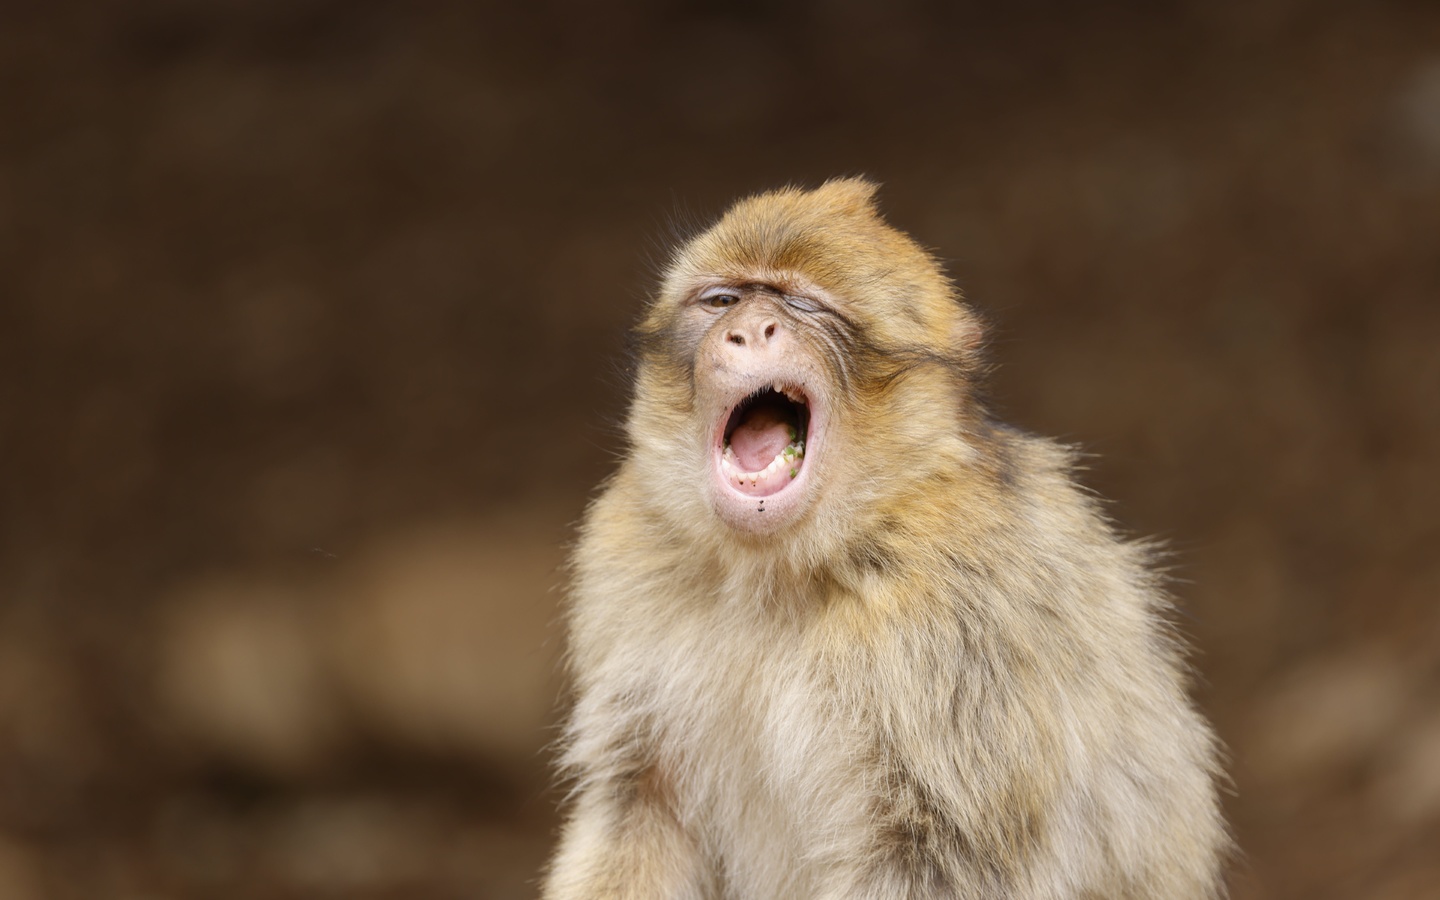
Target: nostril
[
  {"x": 769, "y": 331},
  {"x": 736, "y": 339}
]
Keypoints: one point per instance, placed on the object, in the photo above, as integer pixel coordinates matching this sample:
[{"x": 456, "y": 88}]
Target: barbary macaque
[{"x": 836, "y": 633}]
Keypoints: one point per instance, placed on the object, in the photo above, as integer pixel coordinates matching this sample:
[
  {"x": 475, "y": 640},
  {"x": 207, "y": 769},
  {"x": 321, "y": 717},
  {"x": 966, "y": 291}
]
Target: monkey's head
[{"x": 802, "y": 366}]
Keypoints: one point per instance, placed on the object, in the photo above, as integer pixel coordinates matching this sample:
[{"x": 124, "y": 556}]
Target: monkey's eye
[
  {"x": 719, "y": 299},
  {"x": 803, "y": 304}
]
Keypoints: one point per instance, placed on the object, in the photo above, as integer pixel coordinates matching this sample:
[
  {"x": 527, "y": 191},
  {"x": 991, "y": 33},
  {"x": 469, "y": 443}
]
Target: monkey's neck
[{"x": 866, "y": 563}]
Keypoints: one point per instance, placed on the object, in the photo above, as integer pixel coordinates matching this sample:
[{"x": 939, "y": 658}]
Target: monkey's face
[{"x": 800, "y": 363}]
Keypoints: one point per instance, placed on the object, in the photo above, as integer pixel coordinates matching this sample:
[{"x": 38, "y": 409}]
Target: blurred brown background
[{"x": 312, "y": 323}]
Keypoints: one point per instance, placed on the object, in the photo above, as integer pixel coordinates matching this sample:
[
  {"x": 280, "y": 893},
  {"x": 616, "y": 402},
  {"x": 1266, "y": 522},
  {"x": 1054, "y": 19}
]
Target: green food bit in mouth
[{"x": 793, "y": 471}]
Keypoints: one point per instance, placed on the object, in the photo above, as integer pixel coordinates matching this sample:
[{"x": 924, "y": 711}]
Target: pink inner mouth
[
  {"x": 761, "y": 433},
  {"x": 764, "y": 442}
]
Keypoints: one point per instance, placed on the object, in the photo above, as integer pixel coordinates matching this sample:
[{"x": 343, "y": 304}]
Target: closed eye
[{"x": 803, "y": 304}]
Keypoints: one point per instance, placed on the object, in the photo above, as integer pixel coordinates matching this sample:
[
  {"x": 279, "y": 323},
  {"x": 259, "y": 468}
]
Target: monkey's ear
[{"x": 851, "y": 195}]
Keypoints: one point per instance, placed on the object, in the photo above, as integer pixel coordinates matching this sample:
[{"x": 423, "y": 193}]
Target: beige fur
[{"x": 944, "y": 676}]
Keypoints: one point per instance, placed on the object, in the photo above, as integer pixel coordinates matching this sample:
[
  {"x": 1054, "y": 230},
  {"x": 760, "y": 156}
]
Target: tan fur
[{"x": 946, "y": 677}]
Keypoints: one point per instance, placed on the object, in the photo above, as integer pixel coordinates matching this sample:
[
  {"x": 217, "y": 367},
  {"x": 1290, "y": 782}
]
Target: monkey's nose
[{"x": 757, "y": 335}]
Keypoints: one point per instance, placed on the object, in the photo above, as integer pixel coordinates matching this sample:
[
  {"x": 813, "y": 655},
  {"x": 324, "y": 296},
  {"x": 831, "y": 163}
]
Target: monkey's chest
[{"x": 769, "y": 768}]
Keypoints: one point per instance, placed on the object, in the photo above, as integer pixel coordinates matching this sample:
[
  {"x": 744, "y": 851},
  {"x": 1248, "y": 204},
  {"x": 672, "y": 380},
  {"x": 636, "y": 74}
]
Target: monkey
[{"x": 834, "y": 631}]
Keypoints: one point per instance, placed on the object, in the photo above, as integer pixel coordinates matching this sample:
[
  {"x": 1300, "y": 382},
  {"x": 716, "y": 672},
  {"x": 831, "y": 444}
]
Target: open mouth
[{"x": 763, "y": 445}]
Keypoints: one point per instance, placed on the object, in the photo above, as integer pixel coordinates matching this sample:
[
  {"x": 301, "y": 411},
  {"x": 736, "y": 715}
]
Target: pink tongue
[{"x": 759, "y": 437}]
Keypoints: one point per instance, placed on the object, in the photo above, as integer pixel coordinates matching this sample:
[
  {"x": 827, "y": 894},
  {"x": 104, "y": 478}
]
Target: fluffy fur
[{"x": 947, "y": 677}]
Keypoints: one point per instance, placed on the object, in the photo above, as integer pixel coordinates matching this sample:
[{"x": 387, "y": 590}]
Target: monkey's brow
[{"x": 762, "y": 286}]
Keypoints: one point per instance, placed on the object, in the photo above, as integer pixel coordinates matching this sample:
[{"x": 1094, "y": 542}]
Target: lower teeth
[{"x": 789, "y": 457}]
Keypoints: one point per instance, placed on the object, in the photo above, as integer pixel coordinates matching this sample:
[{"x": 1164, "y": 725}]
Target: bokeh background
[{"x": 312, "y": 330}]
